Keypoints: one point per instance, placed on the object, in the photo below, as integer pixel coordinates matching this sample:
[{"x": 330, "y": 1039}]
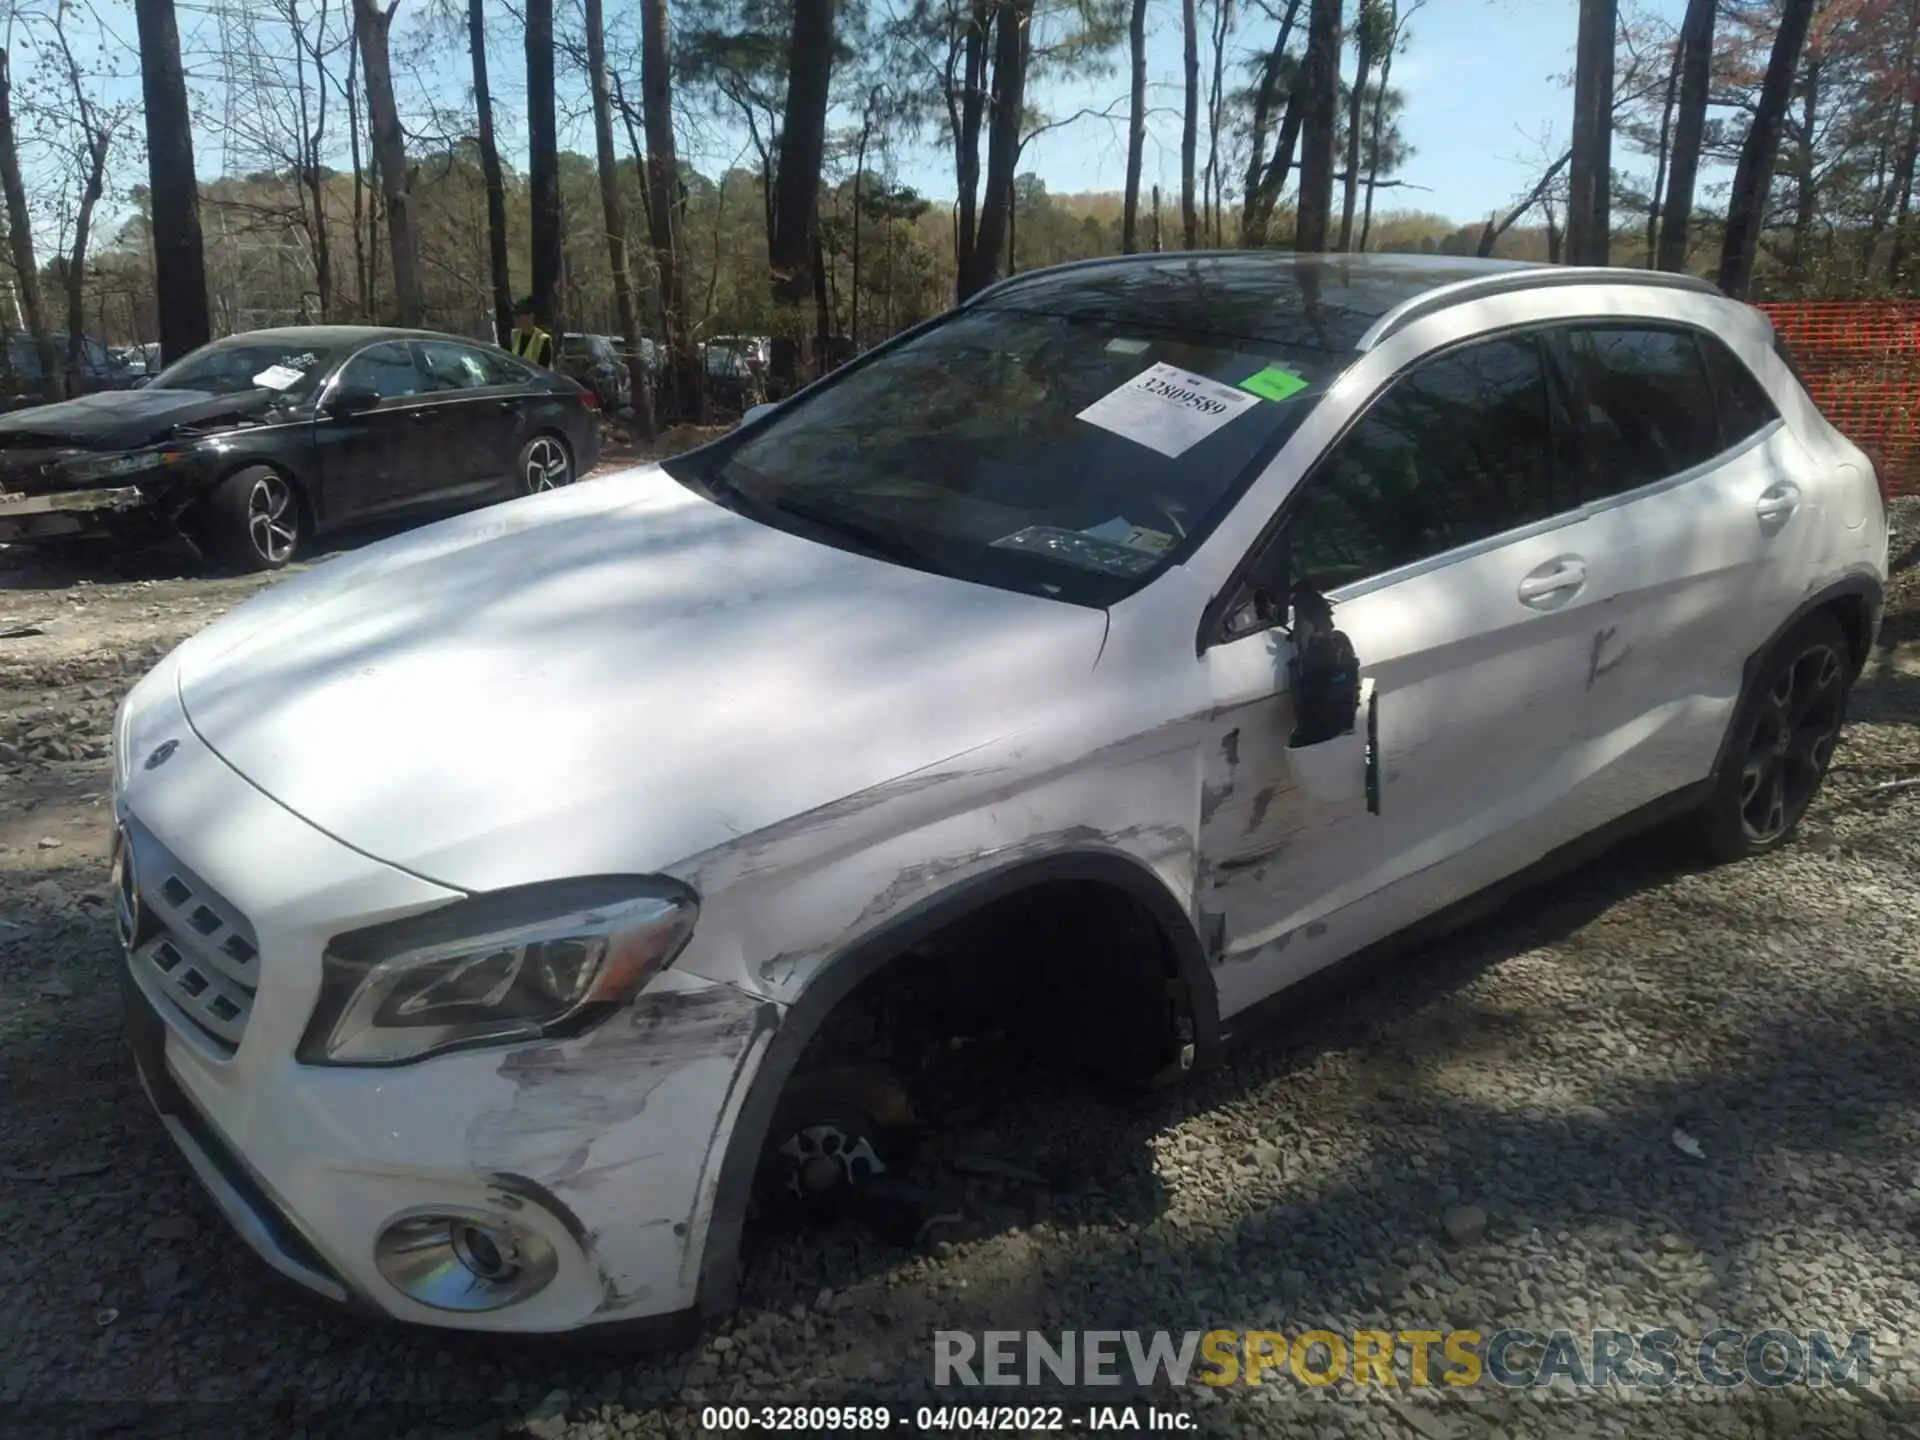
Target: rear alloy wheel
[
  {"x": 253, "y": 520},
  {"x": 1782, "y": 742},
  {"x": 544, "y": 465}
]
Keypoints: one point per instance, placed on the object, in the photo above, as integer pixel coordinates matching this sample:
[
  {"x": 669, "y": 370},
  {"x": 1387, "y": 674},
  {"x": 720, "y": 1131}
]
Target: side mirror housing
[
  {"x": 754, "y": 412},
  {"x": 352, "y": 400},
  {"x": 139, "y": 382}
]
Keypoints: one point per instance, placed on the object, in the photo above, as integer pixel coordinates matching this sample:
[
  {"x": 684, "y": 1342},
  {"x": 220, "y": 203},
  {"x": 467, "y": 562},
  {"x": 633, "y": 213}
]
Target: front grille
[{"x": 195, "y": 949}]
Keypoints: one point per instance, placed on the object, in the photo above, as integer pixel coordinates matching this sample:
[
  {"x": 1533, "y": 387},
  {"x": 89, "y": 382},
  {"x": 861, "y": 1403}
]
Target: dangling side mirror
[
  {"x": 754, "y": 412},
  {"x": 1334, "y": 756}
]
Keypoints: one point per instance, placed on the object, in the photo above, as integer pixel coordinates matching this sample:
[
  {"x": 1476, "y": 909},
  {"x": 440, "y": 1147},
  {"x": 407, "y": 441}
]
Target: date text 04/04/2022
[{"x": 956, "y": 1419}]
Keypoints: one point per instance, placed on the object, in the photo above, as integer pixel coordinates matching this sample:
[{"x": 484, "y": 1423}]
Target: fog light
[{"x": 463, "y": 1259}]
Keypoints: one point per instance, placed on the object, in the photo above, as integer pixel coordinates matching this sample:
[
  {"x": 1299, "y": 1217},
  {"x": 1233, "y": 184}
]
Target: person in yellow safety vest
[{"x": 528, "y": 341}]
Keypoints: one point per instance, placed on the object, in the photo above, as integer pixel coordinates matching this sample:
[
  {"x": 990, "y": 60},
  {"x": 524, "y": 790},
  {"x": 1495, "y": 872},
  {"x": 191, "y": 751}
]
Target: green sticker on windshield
[{"x": 1273, "y": 383}]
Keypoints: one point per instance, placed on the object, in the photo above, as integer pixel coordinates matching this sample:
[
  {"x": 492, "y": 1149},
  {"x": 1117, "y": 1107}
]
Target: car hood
[
  {"x": 122, "y": 419},
  {"x": 614, "y": 677}
]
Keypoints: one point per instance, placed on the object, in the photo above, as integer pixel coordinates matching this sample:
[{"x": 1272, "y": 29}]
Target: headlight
[
  {"x": 541, "y": 960},
  {"x": 108, "y": 467},
  {"x": 118, "y": 748}
]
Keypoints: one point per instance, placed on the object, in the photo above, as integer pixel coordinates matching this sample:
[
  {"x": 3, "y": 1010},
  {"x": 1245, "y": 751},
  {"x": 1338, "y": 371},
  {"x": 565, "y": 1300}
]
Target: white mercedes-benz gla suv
[{"x": 515, "y": 908}]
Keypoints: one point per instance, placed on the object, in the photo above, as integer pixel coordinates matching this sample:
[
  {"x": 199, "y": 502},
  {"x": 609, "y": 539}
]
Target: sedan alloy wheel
[
  {"x": 544, "y": 465},
  {"x": 273, "y": 520}
]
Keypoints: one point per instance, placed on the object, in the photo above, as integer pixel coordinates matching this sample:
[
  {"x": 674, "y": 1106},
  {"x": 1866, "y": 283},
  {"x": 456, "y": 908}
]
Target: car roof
[
  {"x": 334, "y": 337},
  {"x": 1335, "y": 303}
]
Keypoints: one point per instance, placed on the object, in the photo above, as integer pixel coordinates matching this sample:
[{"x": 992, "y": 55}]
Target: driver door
[
  {"x": 1434, "y": 525},
  {"x": 379, "y": 460}
]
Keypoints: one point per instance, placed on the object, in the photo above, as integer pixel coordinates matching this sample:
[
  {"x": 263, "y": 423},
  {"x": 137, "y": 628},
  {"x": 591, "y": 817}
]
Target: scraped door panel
[{"x": 1477, "y": 696}]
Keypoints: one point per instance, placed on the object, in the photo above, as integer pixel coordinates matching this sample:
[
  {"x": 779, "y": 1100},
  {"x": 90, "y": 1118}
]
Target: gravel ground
[{"x": 1647, "y": 1096}]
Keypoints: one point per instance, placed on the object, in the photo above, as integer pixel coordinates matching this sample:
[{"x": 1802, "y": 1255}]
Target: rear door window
[
  {"x": 1744, "y": 405},
  {"x": 1648, "y": 404},
  {"x": 1462, "y": 447},
  {"x": 454, "y": 367}
]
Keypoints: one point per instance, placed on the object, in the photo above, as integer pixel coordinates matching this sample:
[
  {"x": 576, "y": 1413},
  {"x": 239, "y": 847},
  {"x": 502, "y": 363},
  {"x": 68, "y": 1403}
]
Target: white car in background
[{"x": 515, "y": 907}]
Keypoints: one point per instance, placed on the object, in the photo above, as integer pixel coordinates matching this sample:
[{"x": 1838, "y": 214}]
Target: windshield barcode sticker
[{"x": 1167, "y": 409}]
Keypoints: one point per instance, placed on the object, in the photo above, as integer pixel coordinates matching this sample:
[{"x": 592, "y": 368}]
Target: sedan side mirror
[
  {"x": 139, "y": 382},
  {"x": 754, "y": 412},
  {"x": 352, "y": 400}
]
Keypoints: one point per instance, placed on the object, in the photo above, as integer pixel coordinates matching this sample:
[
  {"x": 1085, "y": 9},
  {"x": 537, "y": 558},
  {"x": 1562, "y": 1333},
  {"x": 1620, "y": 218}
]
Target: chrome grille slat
[{"x": 195, "y": 948}]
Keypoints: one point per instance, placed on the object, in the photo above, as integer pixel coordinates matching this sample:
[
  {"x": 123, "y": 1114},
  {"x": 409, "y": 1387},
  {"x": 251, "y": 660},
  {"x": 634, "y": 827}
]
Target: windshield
[
  {"x": 1073, "y": 457},
  {"x": 229, "y": 367}
]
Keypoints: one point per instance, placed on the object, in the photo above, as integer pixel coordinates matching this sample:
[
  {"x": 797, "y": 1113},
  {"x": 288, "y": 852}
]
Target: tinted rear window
[
  {"x": 1745, "y": 407},
  {"x": 1649, "y": 405}
]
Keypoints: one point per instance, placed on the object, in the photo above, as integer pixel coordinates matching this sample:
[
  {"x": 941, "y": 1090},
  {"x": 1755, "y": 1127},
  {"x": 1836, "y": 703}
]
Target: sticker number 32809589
[{"x": 1167, "y": 409}]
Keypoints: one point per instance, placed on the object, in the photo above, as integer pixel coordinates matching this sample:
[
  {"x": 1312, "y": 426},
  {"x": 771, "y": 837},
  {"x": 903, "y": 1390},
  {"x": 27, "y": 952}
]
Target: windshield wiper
[{"x": 882, "y": 543}]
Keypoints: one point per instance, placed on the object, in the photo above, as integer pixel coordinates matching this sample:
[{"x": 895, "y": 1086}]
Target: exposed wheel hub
[{"x": 824, "y": 1158}]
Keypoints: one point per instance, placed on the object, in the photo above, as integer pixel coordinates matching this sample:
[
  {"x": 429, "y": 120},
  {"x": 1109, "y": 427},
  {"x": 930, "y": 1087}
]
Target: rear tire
[
  {"x": 252, "y": 521},
  {"x": 1780, "y": 744},
  {"x": 545, "y": 463}
]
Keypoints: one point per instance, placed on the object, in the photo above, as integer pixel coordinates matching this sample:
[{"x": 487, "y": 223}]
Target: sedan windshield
[
  {"x": 231, "y": 366},
  {"x": 1067, "y": 456}
]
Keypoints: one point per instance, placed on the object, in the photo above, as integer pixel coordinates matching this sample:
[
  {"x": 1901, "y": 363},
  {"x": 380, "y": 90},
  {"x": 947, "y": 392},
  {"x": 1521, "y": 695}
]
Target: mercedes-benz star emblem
[
  {"x": 126, "y": 892},
  {"x": 161, "y": 754}
]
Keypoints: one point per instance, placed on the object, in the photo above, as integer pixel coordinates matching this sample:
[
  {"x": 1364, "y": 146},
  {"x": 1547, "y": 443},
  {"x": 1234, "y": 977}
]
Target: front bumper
[
  {"x": 603, "y": 1144},
  {"x": 73, "y": 513}
]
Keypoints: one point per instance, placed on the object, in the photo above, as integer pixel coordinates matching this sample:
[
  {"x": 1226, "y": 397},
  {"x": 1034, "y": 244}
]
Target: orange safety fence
[{"x": 1861, "y": 363}]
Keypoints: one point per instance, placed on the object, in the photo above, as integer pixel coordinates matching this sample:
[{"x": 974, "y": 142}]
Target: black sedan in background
[{"x": 252, "y": 444}]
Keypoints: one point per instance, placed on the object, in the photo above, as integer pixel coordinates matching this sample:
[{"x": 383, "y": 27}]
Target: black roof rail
[{"x": 1536, "y": 277}]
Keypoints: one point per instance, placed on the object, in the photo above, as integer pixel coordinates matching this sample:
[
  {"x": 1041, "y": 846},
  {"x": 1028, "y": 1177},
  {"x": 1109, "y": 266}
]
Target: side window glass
[
  {"x": 1745, "y": 406},
  {"x": 503, "y": 369},
  {"x": 1649, "y": 405},
  {"x": 453, "y": 367},
  {"x": 1460, "y": 448},
  {"x": 386, "y": 369}
]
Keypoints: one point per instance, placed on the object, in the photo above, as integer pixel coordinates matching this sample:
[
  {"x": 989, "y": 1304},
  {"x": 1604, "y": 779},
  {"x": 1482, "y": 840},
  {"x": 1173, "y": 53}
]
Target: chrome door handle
[
  {"x": 1557, "y": 578},
  {"x": 1777, "y": 502}
]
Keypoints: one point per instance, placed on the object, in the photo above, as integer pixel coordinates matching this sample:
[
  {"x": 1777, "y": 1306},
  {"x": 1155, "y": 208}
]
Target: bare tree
[
  {"x": 665, "y": 214},
  {"x": 1689, "y": 128},
  {"x": 1396, "y": 30},
  {"x": 1372, "y": 34},
  {"x": 1136, "y": 127},
  {"x": 1265, "y": 177},
  {"x": 1590, "y": 171},
  {"x": 1541, "y": 194},
  {"x": 96, "y": 133},
  {"x": 1321, "y": 82},
  {"x": 179, "y": 265},
  {"x": 1189, "y": 124},
  {"x": 796, "y": 190},
  {"x": 390, "y": 159},
  {"x": 362, "y": 252},
  {"x": 613, "y": 214},
  {"x": 20, "y": 237},
  {"x": 312, "y": 105},
  {"x": 1753, "y": 176},
  {"x": 1215, "y": 179},
  {"x": 982, "y": 257},
  {"x": 495, "y": 181},
  {"x": 543, "y": 165}
]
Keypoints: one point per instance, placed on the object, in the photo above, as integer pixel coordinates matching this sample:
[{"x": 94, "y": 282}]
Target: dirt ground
[{"x": 1534, "y": 1077}]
